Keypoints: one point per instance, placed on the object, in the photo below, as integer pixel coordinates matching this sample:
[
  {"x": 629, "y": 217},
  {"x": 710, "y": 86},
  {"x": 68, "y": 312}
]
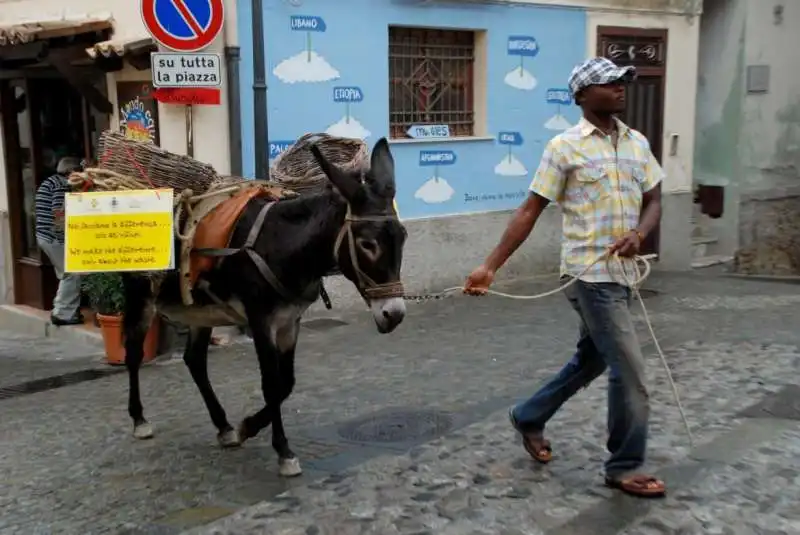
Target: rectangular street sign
[
  {"x": 188, "y": 95},
  {"x": 186, "y": 70}
]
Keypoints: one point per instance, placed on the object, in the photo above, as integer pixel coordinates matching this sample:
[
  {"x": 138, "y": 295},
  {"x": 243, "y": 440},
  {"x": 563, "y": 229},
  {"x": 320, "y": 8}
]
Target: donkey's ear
[
  {"x": 381, "y": 171},
  {"x": 347, "y": 184}
]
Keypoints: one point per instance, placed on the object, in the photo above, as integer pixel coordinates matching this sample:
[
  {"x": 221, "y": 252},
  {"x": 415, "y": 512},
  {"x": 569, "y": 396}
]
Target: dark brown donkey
[{"x": 271, "y": 279}]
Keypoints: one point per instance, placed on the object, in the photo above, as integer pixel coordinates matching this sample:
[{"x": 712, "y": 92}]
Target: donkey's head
[{"x": 369, "y": 248}]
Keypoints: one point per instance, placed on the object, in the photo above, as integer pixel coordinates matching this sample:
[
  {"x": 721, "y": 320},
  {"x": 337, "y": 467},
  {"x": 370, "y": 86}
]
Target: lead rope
[{"x": 629, "y": 274}]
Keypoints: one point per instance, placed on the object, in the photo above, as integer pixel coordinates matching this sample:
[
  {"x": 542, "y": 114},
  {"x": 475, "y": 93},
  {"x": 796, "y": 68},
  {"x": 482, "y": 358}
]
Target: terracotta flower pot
[{"x": 111, "y": 327}]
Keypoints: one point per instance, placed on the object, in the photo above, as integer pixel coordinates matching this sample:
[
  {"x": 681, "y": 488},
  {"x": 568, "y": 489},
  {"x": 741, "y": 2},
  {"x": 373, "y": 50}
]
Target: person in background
[
  {"x": 604, "y": 175},
  {"x": 50, "y": 198}
]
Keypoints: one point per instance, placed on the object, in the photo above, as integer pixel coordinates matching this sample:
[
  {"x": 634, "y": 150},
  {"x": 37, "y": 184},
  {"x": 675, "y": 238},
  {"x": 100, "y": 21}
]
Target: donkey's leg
[
  {"x": 137, "y": 316},
  {"x": 196, "y": 359},
  {"x": 273, "y": 337},
  {"x": 254, "y": 424}
]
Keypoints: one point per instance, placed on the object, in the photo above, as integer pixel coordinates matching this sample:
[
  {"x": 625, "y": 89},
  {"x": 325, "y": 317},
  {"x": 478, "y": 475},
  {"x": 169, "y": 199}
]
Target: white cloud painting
[
  {"x": 307, "y": 66},
  {"x": 348, "y": 127},
  {"x": 510, "y": 166},
  {"x": 521, "y": 79},
  {"x": 557, "y": 122},
  {"x": 434, "y": 191}
]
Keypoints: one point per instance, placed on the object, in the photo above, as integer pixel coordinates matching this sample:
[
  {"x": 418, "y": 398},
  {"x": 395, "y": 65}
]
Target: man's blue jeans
[{"x": 607, "y": 340}]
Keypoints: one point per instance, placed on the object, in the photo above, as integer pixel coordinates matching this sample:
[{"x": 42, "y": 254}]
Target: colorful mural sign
[
  {"x": 559, "y": 97},
  {"x": 348, "y": 126},
  {"x": 306, "y": 66},
  {"x": 436, "y": 189},
  {"x": 324, "y": 80},
  {"x": 510, "y": 165},
  {"x": 138, "y": 111},
  {"x": 522, "y": 46}
]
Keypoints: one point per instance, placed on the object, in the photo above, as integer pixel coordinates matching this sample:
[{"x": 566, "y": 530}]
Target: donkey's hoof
[
  {"x": 289, "y": 467},
  {"x": 229, "y": 439},
  {"x": 143, "y": 431}
]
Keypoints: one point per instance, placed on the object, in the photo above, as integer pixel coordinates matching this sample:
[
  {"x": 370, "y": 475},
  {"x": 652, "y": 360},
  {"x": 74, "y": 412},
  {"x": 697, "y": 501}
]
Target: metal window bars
[{"x": 431, "y": 78}]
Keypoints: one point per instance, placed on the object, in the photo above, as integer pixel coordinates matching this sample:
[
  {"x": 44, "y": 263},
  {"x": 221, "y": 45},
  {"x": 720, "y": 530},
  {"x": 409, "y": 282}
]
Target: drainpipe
[
  {"x": 260, "y": 93},
  {"x": 234, "y": 109}
]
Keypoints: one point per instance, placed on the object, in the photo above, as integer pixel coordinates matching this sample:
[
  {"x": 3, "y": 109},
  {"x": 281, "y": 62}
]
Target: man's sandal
[
  {"x": 639, "y": 485},
  {"x": 535, "y": 444}
]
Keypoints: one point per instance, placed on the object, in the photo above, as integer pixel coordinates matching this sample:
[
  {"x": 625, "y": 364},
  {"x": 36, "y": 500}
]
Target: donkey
[{"x": 292, "y": 244}]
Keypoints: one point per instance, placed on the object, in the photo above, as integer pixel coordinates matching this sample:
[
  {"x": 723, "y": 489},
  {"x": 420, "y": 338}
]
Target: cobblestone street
[{"x": 69, "y": 464}]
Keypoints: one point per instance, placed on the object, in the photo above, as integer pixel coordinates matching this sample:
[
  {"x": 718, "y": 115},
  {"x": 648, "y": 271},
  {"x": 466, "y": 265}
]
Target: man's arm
[
  {"x": 547, "y": 186},
  {"x": 651, "y": 195}
]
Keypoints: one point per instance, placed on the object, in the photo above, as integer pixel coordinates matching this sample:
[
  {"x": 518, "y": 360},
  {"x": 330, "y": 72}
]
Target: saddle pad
[{"x": 214, "y": 230}]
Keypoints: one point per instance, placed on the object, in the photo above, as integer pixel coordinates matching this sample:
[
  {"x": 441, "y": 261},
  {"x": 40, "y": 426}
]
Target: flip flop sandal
[
  {"x": 640, "y": 486},
  {"x": 538, "y": 448}
]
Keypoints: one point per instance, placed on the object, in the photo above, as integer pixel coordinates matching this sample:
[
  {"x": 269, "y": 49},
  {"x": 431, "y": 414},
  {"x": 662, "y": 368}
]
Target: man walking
[
  {"x": 50, "y": 198},
  {"x": 603, "y": 174}
]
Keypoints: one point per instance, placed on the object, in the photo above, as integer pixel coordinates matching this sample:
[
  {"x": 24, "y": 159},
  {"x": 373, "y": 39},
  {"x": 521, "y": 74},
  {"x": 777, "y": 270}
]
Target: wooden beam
[
  {"x": 28, "y": 51},
  {"x": 61, "y": 61}
]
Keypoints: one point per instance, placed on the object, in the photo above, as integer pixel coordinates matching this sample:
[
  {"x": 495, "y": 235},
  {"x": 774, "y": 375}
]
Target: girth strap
[{"x": 261, "y": 265}]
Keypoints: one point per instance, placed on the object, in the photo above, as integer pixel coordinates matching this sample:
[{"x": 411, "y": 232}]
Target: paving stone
[{"x": 70, "y": 466}]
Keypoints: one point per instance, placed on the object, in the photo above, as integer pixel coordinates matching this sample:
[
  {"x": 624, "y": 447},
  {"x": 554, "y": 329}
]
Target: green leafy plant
[{"x": 106, "y": 293}]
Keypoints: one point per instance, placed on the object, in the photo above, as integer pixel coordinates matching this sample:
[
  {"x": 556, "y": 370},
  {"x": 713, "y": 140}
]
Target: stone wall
[{"x": 769, "y": 233}]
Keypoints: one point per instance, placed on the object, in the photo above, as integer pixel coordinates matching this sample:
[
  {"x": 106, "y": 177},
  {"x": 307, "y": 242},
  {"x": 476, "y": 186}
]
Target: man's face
[{"x": 604, "y": 99}]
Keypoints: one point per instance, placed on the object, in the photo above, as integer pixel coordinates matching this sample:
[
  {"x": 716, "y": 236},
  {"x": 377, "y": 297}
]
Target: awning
[
  {"x": 119, "y": 48},
  {"x": 19, "y": 33}
]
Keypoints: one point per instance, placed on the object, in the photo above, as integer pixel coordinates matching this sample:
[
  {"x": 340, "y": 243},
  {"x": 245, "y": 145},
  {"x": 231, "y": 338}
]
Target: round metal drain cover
[{"x": 399, "y": 426}]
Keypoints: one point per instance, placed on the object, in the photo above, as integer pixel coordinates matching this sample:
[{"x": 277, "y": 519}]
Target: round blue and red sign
[{"x": 183, "y": 25}]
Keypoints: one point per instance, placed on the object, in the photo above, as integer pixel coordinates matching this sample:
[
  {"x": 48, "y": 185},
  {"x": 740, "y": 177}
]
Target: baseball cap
[{"x": 598, "y": 71}]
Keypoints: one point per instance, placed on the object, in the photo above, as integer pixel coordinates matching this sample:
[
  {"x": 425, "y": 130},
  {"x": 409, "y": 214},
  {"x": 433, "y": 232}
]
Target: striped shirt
[
  {"x": 599, "y": 187},
  {"x": 50, "y": 198}
]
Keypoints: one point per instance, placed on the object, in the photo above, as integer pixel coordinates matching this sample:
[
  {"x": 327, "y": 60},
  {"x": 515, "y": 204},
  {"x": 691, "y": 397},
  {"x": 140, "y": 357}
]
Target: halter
[{"x": 368, "y": 288}]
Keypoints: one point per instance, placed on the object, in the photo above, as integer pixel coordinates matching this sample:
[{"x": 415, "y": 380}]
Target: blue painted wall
[{"x": 352, "y": 51}]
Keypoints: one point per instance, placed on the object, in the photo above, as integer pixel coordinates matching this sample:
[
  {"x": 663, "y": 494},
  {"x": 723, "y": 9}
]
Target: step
[{"x": 711, "y": 260}]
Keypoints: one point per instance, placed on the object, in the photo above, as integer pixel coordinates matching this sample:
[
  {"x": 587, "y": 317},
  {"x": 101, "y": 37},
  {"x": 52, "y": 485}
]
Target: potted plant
[{"x": 107, "y": 297}]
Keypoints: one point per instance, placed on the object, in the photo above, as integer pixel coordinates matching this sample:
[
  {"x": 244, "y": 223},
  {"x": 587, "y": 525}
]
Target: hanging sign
[{"x": 110, "y": 231}]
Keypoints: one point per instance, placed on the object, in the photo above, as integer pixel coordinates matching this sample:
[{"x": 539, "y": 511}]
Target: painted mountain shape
[
  {"x": 557, "y": 122},
  {"x": 305, "y": 67},
  {"x": 520, "y": 78},
  {"x": 510, "y": 166},
  {"x": 434, "y": 191},
  {"x": 348, "y": 127}
]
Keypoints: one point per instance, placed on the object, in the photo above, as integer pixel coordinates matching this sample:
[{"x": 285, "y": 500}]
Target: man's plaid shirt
[{"x": 599, "y": 188}]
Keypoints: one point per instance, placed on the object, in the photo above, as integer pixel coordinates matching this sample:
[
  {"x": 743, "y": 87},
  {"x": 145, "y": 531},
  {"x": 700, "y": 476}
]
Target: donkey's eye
[{"x": 369, "y": 246}]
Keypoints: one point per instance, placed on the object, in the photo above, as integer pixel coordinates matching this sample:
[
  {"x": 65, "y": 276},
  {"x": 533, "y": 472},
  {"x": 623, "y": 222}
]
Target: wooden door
[{"x": 647, "y": 51}]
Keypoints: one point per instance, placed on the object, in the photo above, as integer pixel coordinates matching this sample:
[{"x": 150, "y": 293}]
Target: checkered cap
[{"x": 598, "y": 71}]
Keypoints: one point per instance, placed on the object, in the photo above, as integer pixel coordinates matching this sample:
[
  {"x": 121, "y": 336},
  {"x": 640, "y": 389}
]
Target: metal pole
[
  {"x": 260, "y": 93},
  {"x": 234, "y": 109},
  {"x": 189, "y": 131}
]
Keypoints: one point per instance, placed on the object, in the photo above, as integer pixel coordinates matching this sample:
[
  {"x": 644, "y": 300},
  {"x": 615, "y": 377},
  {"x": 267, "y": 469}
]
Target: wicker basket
[
  {"x": 298, "y": 170},
  {"x": 161, "y": 168}
]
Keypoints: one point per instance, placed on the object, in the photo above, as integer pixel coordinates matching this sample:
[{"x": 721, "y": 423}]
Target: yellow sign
[{"x": 119, "y": 231}]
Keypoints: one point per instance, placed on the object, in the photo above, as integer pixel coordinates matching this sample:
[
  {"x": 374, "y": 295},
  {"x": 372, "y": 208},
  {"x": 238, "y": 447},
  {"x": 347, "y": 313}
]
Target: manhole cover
[
  {"x": 397, "y": 426},
  {"x": 783, "y": 404},
  {"x": 323, "y": 324}
]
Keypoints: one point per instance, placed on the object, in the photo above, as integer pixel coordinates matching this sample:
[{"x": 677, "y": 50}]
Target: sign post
[{"x": 185, "y": 76}]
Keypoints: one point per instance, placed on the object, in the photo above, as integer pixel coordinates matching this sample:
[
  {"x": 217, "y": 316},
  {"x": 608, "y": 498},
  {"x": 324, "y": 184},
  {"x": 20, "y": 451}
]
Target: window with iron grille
[{"x": 431, "y": 80}]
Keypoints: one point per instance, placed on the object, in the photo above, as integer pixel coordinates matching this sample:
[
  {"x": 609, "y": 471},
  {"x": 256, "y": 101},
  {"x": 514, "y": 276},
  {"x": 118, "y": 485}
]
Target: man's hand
[
  {"x": 628, "y": 245},
  {"x": 479, "y": 281}
]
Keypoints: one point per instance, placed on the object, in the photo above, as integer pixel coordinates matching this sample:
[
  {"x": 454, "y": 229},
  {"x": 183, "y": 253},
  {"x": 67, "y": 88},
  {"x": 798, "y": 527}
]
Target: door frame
[{"x": 651, "y": 244}]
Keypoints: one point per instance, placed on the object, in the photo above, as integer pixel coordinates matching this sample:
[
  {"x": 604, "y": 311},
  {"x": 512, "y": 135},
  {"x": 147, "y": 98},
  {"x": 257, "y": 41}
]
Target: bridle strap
[{"x": 366, "y": 285}]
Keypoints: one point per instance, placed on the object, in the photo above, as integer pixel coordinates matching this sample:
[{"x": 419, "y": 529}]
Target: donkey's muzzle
[{"x": 388, "y": 313}]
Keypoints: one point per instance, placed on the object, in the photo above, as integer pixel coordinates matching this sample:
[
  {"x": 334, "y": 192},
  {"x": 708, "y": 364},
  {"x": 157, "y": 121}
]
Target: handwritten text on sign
[
  {"x": 558, "y": 96},
  {"x": 436, "y": 157},
  {"x": 509, "y": 138},
  {"x": 307, "y": 23},
  {"x": 425, "y": 131},
  {"x": 119, "y": 231},
  {"x": 347, "y": 94},
  {"x": 523, "y": 45}
]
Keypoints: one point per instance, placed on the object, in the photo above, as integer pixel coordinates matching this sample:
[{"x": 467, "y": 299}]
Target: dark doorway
[
  {"x": 44, "y": 119},
  {"x": 647, "y": 51}
]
